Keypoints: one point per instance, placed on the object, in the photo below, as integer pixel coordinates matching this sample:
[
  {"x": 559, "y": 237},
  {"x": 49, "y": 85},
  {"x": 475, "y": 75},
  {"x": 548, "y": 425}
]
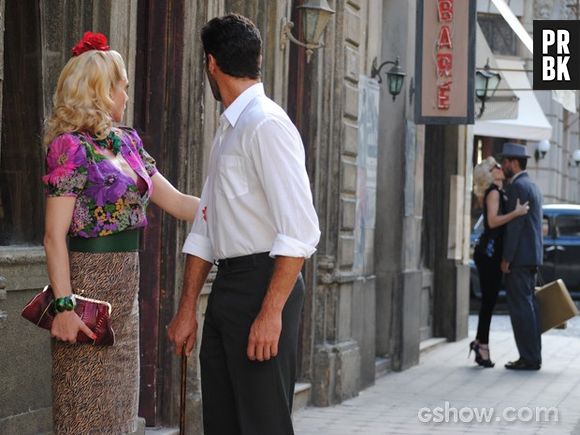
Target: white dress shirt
[{"x": 257, "y": 196}]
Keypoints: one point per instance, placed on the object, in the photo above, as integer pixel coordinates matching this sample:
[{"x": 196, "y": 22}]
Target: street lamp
[
  {"x": 486, "y": 83},
  {"x": 575, "y": 158},
  {"x": 542, "y": 149},
  {"x": 395, "y": 76},
  {"x": 315, "y": 16}
]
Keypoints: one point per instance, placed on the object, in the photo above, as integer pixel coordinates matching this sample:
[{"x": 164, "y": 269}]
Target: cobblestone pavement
[{"x": 447, "y": 386}]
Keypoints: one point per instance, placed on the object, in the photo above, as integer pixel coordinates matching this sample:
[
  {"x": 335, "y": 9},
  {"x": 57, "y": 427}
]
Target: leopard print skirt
[{"x": 96, "y": 388}]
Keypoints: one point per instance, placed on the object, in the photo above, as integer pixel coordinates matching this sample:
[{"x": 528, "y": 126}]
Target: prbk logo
[{"x": 556, "y": 54}]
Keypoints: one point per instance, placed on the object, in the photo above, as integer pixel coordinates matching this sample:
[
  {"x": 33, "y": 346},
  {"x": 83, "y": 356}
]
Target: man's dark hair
[{"x": 235, "y": 43}]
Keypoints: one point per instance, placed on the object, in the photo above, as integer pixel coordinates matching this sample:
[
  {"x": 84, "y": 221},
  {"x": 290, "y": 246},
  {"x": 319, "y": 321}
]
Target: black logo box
[{"x": 572, "y": 63}]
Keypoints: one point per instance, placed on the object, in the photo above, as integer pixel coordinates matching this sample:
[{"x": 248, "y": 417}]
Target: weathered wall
[
  {"x": 399, "y": 201},
  {"x": 25, "y": 369},
  {"x": 344, "y": 300}
]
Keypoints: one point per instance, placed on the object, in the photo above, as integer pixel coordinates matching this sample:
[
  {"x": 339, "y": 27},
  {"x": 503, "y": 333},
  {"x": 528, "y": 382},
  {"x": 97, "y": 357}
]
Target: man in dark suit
[{"x": 522, "y": 255}]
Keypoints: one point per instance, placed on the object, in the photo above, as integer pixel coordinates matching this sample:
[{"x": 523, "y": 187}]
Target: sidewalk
[{"x": 446, "y": 375}]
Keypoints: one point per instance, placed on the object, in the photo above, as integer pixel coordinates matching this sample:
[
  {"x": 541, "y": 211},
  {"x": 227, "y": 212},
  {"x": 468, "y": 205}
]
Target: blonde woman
[
  {"x": 488, "y": 180},
  {"x": 99, "y": 182}
]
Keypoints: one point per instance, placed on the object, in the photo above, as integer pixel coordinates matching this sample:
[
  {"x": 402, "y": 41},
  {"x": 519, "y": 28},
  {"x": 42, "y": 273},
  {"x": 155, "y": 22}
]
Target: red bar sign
[{"x": 444, "y": 53}]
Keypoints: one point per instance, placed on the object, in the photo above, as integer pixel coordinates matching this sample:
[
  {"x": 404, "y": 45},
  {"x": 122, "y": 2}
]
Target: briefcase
[{"x": 556, "y": 305}]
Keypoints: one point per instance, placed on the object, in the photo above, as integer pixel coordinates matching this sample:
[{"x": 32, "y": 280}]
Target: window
[
  {"x": 568, "y": 226},
  {"x": 499, "y": 35},
  {"x": 546, "y": 227}
]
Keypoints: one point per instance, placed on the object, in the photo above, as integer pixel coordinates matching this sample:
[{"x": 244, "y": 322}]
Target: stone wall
[
  {"x": 344, "y": 300},
  {"x": 25, "y": 369},
  {"x": 399, "y": 201}
]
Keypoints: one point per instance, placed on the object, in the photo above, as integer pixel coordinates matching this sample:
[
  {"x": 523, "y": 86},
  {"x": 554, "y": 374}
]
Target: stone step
[
  {"x": 140, "y": 427},
  {"x": 382, "y": 367},
  {"x": 162, "y": 431},
  {"x": 302, "y": 392},
  {"x": 430, "y": 344}
]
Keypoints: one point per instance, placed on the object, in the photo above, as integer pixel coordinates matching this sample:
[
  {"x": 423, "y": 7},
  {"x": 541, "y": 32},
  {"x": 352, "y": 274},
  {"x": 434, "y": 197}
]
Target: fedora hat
[{"x": 514, "y": 150}]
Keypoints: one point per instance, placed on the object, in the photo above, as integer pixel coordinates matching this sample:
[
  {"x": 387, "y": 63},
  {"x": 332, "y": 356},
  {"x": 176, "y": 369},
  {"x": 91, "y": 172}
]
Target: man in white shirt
[{"x": 257, "y": 221}]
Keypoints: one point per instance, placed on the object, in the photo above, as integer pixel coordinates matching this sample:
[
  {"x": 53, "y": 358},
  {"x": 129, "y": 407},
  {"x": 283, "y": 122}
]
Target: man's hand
[
  {"x": 267, "y": 327},
  {"x": 183, "y": 330},
  {"x": 264, "y": 335},
  {"x": 505, "y": 266}
]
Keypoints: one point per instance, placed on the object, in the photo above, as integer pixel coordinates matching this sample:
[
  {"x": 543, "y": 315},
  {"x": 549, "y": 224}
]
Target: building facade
[
  {"x": 556, "y": 172},
  {"x": 392, "y": 197}
]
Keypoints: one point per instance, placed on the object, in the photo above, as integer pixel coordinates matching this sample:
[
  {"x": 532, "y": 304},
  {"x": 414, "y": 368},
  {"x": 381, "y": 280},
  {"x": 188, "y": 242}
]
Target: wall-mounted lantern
[
  {"x": 575, "y": 158},
  {"x": 315, "y": 16},
  {"x": 486, "y": 83},
  {"x": 542, "y": 149},
  {"x": 395, "y": 75}
]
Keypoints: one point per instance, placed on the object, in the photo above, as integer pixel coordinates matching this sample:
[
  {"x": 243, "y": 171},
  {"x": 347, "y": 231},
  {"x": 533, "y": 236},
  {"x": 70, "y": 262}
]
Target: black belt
[{"x": 244, "y": 261}]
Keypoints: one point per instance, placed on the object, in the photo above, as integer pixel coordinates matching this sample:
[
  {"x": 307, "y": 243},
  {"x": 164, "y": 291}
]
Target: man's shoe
[{"x": 522, "y": 365}]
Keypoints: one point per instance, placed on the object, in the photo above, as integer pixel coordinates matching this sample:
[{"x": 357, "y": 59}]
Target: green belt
[{"x": 125, "y": 241}]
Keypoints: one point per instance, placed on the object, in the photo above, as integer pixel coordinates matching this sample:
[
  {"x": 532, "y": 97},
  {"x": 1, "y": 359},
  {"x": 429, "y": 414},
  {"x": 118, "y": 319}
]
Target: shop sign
[{"x": 445, "y": 62}]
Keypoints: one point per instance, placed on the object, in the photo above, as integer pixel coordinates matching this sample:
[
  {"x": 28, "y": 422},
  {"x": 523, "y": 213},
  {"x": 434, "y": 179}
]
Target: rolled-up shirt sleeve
[
  {"x": 278, "y": 155},
  {"x": 198, "y": 242}
]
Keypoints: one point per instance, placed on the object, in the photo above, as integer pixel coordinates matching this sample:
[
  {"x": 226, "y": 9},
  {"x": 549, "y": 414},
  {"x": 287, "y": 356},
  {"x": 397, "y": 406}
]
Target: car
[{"x": 561, "y": 228}]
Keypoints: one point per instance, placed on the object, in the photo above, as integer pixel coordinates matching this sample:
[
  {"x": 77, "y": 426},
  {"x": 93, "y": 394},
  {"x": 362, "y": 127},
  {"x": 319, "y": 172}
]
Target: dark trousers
[
  {"x": 243, "y": 397},
  {"x": 524, "y": 313},
  {"x": 490, "y": 280}
]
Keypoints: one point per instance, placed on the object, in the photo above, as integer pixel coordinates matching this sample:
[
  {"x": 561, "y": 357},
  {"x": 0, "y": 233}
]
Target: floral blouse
[{"x": 108, "y": 201}]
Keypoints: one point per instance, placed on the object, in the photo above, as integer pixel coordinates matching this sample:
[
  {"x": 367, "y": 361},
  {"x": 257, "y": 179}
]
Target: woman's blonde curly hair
[
  {"x": 482, "y": 177},
  {"x": 82, "y": 100}
]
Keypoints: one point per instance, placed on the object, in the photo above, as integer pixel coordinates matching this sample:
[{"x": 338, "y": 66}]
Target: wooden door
[
  {"x": 299, "y": 99},
  {"x": 157, "y": 119},
  {"x": 22, "y": 154}
]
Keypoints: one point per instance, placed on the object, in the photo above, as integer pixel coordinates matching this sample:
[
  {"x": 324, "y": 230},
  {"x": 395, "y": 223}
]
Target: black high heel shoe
[
  {"x": 485, "y": 363},
  {"x": 473, "y": 346}
]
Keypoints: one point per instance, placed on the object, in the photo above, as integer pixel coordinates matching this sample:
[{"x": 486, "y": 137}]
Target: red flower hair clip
[{"x": 91, "y": 41}]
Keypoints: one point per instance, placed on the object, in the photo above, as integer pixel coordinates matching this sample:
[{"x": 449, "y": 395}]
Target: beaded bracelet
[{"x": 67, "y": 303}]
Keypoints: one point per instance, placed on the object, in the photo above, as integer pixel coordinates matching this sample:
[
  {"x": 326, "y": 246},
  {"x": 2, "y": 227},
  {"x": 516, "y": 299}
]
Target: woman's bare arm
[
  {"x": 177, "y": 204},
  {"x": 493, "y": 219},
  {"x": 58, "y": 217}
]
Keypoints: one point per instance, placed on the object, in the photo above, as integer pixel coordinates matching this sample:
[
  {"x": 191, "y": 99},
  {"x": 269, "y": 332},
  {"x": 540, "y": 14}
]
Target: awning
[
  {"x": 531, "y": 123},
  {"x": 504, "y": 104}
]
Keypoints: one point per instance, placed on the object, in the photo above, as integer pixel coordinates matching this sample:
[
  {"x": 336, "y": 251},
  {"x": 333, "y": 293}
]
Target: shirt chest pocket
[{"x": 233, "y": 179}]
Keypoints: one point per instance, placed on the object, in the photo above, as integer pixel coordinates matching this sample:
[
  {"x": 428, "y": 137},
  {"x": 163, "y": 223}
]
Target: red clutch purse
[{"x": 96, "y": 314}]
